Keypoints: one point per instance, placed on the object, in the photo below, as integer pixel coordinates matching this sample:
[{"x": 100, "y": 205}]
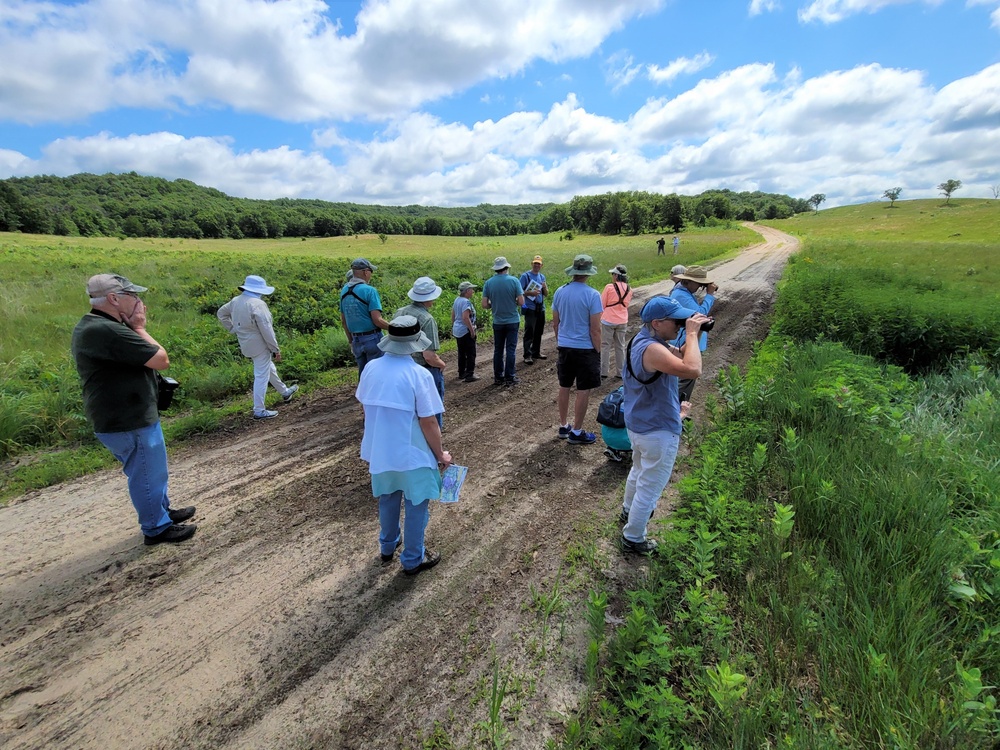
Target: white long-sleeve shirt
[{"x": 250, "y": 319}]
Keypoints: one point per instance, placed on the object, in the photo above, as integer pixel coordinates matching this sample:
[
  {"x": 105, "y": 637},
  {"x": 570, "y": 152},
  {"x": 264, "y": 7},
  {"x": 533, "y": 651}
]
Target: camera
[{"x": 708, "y": 325}]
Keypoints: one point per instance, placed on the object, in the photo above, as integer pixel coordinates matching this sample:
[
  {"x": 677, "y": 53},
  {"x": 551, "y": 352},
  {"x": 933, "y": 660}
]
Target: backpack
[{"x": 610, "y": 413}]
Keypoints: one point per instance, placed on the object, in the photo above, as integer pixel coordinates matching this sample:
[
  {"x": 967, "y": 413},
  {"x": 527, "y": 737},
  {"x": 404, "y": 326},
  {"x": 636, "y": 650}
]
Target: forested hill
[{"x": 131, "y": 205}]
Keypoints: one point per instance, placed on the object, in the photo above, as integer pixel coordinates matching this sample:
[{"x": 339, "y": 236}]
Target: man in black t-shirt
[{"x": 117, "y": 361}]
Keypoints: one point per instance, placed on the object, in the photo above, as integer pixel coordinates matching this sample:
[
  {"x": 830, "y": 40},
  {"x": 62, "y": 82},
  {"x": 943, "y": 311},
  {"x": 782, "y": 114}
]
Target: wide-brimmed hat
[
  {"x": 500, "y": 263},
  {"x": 424, "y": 290},
  {"x": 537, "y": 259},
  {"x": 404, "y": 337},
  {"x": 583, "y": 265},
  {"x": 466, "y": 286},
  {"x": 619, "y": 270},
  {"x": 104, "y": 284},
  {"x": 695, "y": 273},
  {"x": 661, "y": 306},
  {"x": 362, "y": 264},
  {"x": 257, "y": 285},
  {"x": 678, "y": 269}
]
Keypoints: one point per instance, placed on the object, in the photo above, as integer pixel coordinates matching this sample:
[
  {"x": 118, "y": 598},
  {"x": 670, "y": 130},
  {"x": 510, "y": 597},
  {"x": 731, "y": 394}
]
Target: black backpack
[{"x": 610, "y": 412}]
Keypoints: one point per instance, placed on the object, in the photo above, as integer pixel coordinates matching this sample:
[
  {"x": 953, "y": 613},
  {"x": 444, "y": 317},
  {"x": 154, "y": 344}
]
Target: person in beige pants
[
  {"x": 248, "y": 317},
  {"x": 615, "y": 298}
]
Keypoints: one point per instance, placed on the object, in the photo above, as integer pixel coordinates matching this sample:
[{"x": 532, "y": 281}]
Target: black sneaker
[
  {"x": 174, "y": 533},
  {"x": 471, "y": 378},
  {"x": 180, "y": 515},
  {"x": 388, "y": 558},
  {"x": 539, "y": 356},
  {"x": 581, "y": 438},
  {"x": 527, "y": 361},
  {"x": 510, "y": 382},
  {"x": 623, "y": 516},
  {"x": 430, "y": 560},
  {"x": 564, "y": 431},
  {"x": 498, "y": 381},
  {"x": 645, "y": 547}
]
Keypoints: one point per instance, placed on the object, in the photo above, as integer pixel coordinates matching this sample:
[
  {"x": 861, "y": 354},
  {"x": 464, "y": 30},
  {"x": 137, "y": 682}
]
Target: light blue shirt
[
  {"x": 576, "y": 302},
  {"x": 686, "y": 299},
  {"x": 537, "y": 302},
  {"x": 357, "y": 312},
  {"x": 502, "y": 291},
  {"x": 653, "y": 407}
]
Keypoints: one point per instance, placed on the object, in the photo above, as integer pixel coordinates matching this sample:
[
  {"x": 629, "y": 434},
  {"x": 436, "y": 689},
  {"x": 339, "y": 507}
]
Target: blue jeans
[
  {"x": 143, "y": 455},
  {"x": 653, "y": 455},
  {"x": 414, "y": 526},
  {"x": 438, "y": 374},
  {"x": 504, "y": 342},
  {"x": 365, "y": 349}
]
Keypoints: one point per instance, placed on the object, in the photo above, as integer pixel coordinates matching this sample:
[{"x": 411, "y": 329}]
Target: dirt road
[{"x": 278, "y": 626}]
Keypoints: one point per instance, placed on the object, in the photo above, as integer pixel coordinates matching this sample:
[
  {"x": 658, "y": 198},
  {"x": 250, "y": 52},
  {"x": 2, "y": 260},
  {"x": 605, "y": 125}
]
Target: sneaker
[
  {"x": 614, "y": 455},
  {"x": 289, "y": 393},
  {"x": 510, "y": 382},
  {"x": 497, "y": 381},
  {"x": 172, "y": 534},
  {"x": 645, "y": 547},
  {"x": 539, "y": 356},
  {"x": 180, "y": 515},
  {"x": 266, "y": 414},
  {"x": 623, "y": 516},
  {"x": 430, "y": 560},
  {"x": 527, "y": 361},
  {"x": 581, "y": 438},
  {"x": 564, "y": 431},
  {"x": 388, "y": 558},
  {"x": 471, "y": 378}
]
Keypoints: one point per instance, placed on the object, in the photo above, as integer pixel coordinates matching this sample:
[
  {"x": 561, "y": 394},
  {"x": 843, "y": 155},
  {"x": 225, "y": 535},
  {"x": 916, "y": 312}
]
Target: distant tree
[
  {"x": 892, "y": 194},
  {"x": 382, "y": 237},
  {"x": 672, "y": 213},
  {"x": 815, "y": 200},
  {"x": 996, "y": 191},
  {"x": 949, "y": 187}
]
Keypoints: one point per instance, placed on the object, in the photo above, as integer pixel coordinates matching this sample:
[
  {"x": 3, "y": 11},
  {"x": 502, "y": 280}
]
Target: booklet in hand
[{"x": 451, "y": 482}]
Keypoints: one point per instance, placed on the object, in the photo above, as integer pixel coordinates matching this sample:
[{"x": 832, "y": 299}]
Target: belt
[{"x": 364, "y": 333}]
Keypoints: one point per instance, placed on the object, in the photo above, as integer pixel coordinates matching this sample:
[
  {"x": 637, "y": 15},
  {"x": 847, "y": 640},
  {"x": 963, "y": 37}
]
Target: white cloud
[
  {"x": 678, "y": 67},
  {"x": 994, "y": 14},
  {"x": 620, "y": 70},
  {"x": 832, "y": 11},
  {"x": 762, "y": 6},
  {"x": 288, "y": 60}
]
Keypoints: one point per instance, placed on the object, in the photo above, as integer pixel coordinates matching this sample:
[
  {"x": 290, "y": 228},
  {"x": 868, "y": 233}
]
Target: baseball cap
[
  {"x": 104, "y": 284},
  {"x": 661, "y": 307},
  {"x": 362, "y": 264},
  {"x": 537, "y": 259}
]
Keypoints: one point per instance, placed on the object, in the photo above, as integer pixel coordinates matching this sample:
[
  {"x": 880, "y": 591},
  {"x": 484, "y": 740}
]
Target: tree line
[{"x": 132, "y": 205}]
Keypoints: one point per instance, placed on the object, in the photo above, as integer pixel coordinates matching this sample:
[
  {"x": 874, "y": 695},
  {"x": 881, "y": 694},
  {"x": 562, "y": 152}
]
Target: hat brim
[
  {"x": 256, "y": 290},
  {"x": 500, "y": 268},
  {"x": 578, "y": 272},
  {"x": 391, "y": 345},
  {"x": 424, "y": 297},
  {"x": 685, "y": 277}
]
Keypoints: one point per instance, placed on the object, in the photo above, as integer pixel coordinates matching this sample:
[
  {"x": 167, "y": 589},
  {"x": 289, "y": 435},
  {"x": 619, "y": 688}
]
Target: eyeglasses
[{"x": 128, "y": 294}]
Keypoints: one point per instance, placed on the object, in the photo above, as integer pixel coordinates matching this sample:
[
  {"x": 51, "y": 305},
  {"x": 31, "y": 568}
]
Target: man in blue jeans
[
  {"x": 423, "y": 293},
  {"x": 361, "y": 313},
  {"x": 503, "y": 295},
  {"x": 117, "y": 361}
]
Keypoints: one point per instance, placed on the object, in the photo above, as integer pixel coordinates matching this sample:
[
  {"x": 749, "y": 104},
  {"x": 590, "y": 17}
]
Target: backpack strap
[
  {"x": 351, "y": 293},
  {"x": 621, "y": 297},
  {"x": 628, "y": 363}
]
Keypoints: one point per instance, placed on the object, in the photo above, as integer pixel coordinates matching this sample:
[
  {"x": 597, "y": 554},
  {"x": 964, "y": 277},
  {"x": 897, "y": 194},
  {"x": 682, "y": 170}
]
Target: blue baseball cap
[{"x": 661, "y": 307}]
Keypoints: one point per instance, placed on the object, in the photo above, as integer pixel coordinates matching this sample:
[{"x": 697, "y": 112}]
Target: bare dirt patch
[{"x": 278, "y": 626}]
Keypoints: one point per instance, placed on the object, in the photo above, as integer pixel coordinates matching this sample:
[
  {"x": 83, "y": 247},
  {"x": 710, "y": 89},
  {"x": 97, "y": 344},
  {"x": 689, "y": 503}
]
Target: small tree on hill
[
  {"x": 815, "y": 200},
  {"x": 949, "y": 187},
  {"x": 892, "y": 194},
  {"x": 996, "y": 191}
]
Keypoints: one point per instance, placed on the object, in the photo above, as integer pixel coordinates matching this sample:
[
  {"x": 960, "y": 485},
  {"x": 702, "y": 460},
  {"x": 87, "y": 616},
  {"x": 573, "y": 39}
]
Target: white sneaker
[
  {"x": 266, "y": 414},
  {"x": 289, "y": 393}
]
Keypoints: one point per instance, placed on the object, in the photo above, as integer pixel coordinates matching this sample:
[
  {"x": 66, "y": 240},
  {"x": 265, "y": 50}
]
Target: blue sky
[{"x": 459, "y": 102}]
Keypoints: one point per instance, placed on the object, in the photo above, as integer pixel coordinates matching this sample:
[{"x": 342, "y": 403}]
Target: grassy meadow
[
  {"x": 44, "y": 436},
  {"x": 831, "y": 576}
]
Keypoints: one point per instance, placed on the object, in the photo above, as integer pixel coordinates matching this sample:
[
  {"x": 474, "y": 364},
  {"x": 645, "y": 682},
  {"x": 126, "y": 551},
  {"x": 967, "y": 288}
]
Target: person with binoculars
[{"x": 688, "y": 284}]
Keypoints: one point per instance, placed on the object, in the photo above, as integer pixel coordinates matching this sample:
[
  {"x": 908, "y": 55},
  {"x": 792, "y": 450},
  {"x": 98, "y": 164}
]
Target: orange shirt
[{"x": 615, "y": 313}]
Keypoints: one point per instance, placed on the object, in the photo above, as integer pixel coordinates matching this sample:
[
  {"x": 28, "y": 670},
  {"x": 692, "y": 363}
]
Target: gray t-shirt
[{"x": 427, "y": 324}]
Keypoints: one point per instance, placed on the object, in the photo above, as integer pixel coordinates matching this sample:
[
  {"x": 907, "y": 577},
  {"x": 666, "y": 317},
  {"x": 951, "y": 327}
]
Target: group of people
[{"x": 401, "y": 383}]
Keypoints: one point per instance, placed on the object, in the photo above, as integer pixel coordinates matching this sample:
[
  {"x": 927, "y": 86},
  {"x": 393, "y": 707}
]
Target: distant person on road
[
  {"x": 689, "y": 284},
  {"x": 535, "y": 292},
  {"x": 423, "y": 293},
  {"x": 615, "y": 298},
  {"x": 502, "y": 294},
  {"x": 463, "y": 329},
  {"x": 677, "y": 243},
  {"x": 248, "y": 317},
  {"x": 117, "y": 360},
  {"x": 361, "y": 313},
  {"x": 653, "y": 411},
  {"x": 402, "y": 443},
  {"x": 576, "y": 322}
]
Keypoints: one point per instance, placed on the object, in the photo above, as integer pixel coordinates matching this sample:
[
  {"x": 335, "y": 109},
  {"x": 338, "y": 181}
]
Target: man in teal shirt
[
  {"x": 503, "y": 295},
  {"x": 361, "y": 313}
]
